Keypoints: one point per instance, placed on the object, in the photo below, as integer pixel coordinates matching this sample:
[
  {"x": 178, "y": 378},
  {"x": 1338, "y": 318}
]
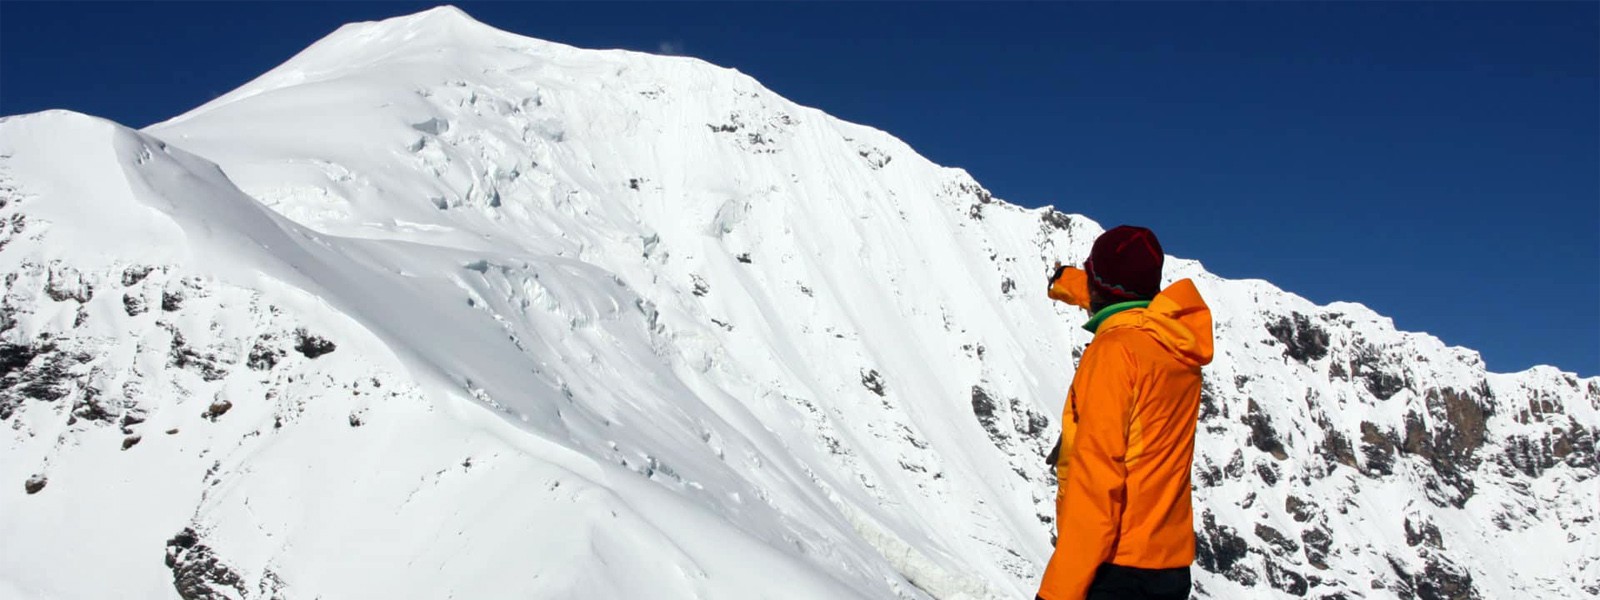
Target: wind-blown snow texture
[{"x": 465, "y": 314}]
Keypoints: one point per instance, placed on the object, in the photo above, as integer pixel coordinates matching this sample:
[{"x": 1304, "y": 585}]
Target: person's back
[{"x": 1124, "y": 512}]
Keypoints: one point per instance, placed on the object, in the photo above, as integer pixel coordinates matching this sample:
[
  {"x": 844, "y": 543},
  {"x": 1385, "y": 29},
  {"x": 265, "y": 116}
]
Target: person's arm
[
  {"x": 1070, "y": 285},
  {"x": 1093, "y": 491}
]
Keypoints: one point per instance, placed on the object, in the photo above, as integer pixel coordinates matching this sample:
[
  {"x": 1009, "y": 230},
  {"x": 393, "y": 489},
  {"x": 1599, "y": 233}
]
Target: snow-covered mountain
[{"x": 437, "y": 311}]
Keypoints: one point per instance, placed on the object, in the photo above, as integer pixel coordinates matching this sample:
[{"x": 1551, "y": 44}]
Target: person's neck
[{"x": 1106, "y": 311}]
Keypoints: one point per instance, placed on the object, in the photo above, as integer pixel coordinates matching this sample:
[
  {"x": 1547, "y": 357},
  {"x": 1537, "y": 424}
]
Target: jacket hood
[{"x": 1178, "y": 318}]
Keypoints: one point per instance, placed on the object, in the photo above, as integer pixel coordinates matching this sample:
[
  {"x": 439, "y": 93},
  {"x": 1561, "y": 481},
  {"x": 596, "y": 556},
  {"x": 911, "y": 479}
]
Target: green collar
[{"x": 1105, "y": 313}]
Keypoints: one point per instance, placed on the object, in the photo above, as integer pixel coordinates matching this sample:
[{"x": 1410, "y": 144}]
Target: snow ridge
[{"x": 434, "y": 309}]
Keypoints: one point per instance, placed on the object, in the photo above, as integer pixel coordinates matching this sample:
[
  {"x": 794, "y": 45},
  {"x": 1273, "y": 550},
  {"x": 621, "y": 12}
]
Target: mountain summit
[{"x": 434, "y": 310}]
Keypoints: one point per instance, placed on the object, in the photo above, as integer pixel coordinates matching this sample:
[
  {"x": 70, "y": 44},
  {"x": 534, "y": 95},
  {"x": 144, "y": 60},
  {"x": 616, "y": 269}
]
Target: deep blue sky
[{"x": 1439, "y": 162}]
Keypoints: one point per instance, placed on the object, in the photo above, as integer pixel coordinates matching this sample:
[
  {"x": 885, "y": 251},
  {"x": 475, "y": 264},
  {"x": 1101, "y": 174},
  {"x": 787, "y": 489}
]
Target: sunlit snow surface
[{"x": 437, "y": 311}]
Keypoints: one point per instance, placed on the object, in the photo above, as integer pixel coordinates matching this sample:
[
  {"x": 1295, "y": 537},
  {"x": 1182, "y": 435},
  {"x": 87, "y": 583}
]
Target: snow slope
[{"x": 434, "y": 310}]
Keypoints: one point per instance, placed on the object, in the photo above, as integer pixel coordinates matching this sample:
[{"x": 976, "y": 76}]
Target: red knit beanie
[{"x": 1125, "y": 264}]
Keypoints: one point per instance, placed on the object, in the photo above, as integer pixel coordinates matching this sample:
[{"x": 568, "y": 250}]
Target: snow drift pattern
[{"x": 465, "y": 313}]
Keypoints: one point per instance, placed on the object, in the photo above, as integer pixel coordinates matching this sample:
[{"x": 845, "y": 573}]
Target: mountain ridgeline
[{"x": 435, "y": 310}]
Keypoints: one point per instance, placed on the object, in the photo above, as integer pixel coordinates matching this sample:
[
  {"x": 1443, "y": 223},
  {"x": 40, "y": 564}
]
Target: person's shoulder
[
  {"x": 1129, "y": 341},
  {"x": 1121, "y": 335}
]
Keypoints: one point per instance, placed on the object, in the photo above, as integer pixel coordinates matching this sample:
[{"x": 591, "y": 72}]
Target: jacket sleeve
[
  {"x": 1092, "y": 492},
  {"x": 1071, "y": 286}
]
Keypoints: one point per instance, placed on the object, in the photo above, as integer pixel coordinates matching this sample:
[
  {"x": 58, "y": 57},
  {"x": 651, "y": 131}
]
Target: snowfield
[{"x": 434, "y": 310}]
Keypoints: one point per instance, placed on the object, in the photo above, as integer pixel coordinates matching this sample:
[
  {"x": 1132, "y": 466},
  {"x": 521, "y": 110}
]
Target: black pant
[{"x": 1116, "y": 582}]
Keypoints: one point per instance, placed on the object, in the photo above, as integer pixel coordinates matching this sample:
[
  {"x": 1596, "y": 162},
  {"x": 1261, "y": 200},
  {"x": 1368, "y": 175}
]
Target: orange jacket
[{"x": 1128, "y": 442}]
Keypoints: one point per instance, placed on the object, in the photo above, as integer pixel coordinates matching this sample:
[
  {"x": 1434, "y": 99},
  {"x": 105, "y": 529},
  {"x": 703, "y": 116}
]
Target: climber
[{"x": 1124, "y": 519}]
